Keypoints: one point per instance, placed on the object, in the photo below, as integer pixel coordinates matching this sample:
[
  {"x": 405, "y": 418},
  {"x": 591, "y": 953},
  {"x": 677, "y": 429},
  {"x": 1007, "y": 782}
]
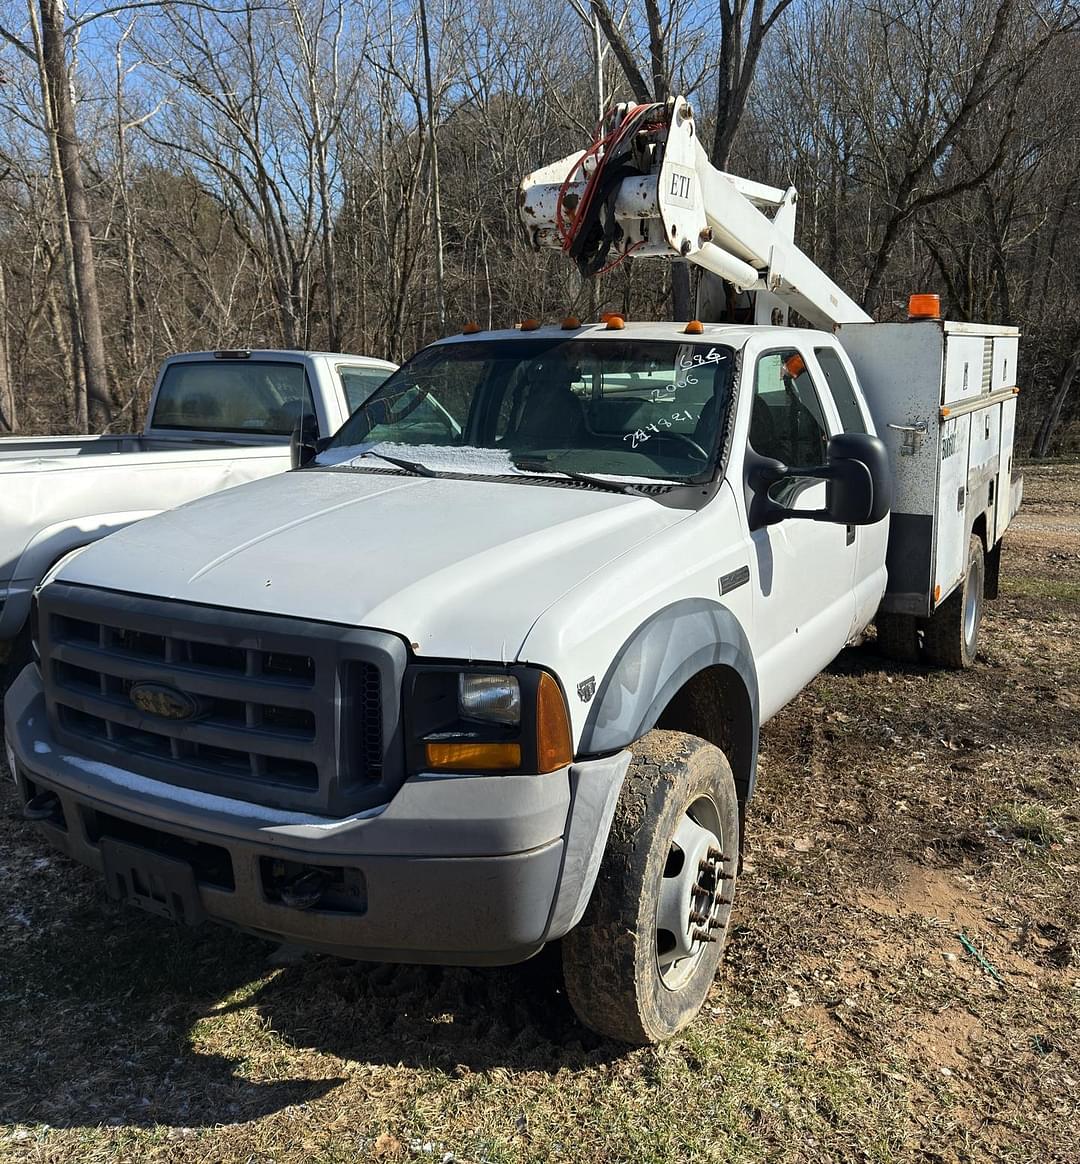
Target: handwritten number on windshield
[{"x": 641, "y": 435}]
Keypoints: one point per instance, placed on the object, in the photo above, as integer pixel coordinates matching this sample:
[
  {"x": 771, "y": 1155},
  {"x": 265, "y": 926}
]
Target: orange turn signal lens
[
  {"x": 924, "y": 307},
  {"x": 694, "y": 327},
  {"x": 473, "y": 757},
  {"x": 530, "y": 324},
  {"x": 571, "y": 322},
  {"x": 471, "y": 328},
  {"x": 615, "y": 322},
  {"x": 553, "y": 747}
]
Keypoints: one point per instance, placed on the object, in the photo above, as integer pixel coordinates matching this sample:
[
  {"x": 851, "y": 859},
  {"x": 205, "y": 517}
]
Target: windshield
[{"x": 645, "y": 409}]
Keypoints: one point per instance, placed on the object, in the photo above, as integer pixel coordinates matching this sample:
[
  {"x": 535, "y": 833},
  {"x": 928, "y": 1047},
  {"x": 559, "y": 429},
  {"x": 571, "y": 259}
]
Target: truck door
[
  {"x": 804, "y": 596},
  {"x": 870, "y": 540}
]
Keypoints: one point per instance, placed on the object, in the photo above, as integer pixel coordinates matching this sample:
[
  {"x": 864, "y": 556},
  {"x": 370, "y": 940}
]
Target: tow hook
[
  {"x": 304, "y": 891},
  {"x": 44, "y": 806}
]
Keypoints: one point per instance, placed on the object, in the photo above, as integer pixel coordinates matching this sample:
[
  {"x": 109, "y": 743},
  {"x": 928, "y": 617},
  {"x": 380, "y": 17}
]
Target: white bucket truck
[{"x": 489, "y": 670}]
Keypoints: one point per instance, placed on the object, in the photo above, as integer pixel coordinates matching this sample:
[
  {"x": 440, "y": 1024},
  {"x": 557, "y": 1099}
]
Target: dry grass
[{"x": 898, "y": 808}]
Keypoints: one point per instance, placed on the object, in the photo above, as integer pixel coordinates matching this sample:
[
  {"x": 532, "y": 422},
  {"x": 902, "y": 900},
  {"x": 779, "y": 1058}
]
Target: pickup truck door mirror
[
  {"x": 305, "y": 443},
  {"x": 857, "y": 476}
]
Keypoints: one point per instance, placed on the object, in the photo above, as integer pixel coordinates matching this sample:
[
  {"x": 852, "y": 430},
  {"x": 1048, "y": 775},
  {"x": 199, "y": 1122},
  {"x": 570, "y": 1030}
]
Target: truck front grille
[{"x": 287, "y": 714}]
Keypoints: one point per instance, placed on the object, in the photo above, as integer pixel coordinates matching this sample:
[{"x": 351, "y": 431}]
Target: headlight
[
  {"x": 482, "y": 720},
  {"x": 491, "y": 698}
]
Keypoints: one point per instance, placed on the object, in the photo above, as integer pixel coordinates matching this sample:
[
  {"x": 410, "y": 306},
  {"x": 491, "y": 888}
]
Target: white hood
[{"x": 460, "y": 568}]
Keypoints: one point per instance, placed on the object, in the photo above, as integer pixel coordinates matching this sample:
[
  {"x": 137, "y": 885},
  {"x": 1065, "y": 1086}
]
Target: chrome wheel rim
[
  {"x": 972, "y": 609},
  {"x": 692, "y": 906}
]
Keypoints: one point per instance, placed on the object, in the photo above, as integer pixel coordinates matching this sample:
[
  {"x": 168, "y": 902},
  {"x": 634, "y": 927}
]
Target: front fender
[
  {"x": 656, "y": 661},
  {"x": 45, "y": 549}
]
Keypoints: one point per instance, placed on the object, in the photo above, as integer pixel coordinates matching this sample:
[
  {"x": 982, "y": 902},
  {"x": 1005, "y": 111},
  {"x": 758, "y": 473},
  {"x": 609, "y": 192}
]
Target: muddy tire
[
  {"x": 898, "y": 636},
  {"x": 951, "y": 633},
  {"x": 640, "y": 962}
]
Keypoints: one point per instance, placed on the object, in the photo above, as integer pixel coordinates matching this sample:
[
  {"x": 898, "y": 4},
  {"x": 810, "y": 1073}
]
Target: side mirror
[
  {"x": 304, "y": 442},
  {"x": 858, "y": 479}
]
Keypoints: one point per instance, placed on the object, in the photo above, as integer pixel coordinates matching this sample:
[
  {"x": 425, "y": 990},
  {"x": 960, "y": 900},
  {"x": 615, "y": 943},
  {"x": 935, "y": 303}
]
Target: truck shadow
[
  {"x": 454, "y": 1019},
  {"x": 114, "y": 1018}
]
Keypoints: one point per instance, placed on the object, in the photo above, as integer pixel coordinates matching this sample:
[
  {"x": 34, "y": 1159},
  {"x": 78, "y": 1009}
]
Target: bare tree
[{"x": 57, "y": 97}]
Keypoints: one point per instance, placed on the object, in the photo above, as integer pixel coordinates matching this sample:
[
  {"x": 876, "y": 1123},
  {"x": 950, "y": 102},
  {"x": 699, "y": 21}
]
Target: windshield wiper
[
  {"x": 409, "y": 466},
  {"x": 542, "y": 470}
]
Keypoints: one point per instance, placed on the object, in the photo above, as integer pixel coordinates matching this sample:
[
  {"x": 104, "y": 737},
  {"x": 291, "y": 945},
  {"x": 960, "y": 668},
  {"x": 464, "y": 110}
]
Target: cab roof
[{"x": 734, "y": 335}]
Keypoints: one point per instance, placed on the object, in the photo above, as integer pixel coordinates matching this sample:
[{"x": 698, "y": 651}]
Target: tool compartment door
[
  {"x": 951, "y": 525},
  {"x": 984, "y": 465},
  {"x": 1003, "y": 493}
]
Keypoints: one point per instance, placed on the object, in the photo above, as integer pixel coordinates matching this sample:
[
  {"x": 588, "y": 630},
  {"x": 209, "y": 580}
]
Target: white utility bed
[{"x": 943, "y": 398}]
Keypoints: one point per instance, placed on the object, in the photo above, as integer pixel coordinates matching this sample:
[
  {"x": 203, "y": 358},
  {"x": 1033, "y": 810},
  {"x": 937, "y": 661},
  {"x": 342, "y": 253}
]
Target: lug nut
[
  {"x": 714, "y": 854},
  {"x": 699, "y": 917},
  {"x": 702, "y": 936}
]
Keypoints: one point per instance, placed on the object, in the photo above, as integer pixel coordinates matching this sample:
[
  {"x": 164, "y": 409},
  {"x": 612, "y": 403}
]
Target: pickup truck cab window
[
  {"x": 249, "y": 396},
  {"x": 787, "y": 421},
  {"x": 359, "y": 382},
  {"x": 626, "y": 408},
  {"x": 843, "y": 393}
]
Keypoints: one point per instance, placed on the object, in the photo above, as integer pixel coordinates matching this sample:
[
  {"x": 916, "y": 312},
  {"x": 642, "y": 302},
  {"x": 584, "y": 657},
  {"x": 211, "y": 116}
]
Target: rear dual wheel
[
  {"x": 640, "y": 962},
  {"x": 950, "y": 636},
  {"x": 951, "y": 633}
]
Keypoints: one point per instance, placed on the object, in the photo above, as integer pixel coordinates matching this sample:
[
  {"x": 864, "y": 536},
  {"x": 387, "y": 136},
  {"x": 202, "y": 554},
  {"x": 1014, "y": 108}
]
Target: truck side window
[
  {"x": 359, "y": 383},
  {"x": 786, "y": 421},
  {"x": 851, "y": 416}
]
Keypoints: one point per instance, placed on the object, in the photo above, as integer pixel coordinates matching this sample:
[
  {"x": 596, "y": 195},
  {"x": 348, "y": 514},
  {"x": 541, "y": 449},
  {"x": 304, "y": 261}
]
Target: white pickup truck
[
  {"x": 216, "y": 419},
  {"x": 489, "y": 670}
]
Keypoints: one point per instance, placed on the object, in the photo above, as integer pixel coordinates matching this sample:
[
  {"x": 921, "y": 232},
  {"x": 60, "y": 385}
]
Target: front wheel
[{"x": 639, "y": 963}]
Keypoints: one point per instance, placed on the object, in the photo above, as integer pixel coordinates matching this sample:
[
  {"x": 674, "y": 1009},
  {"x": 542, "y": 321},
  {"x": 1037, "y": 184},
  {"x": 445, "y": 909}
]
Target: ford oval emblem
[{"x": 164, "y": 702}]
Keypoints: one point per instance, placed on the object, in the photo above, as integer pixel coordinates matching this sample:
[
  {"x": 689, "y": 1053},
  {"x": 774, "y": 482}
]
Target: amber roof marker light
[
  {"x": 924, "y": 306},
  {"x": 614, "y": 322},
  {"x": 694, "y": 327},
  {"x": 471, "y": 328},
  {"x": 529, "y": 324}
]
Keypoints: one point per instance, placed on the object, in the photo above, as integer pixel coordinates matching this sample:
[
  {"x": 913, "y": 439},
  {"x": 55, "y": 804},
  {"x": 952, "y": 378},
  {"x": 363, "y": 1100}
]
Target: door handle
[{"x": 911, "y": 437}]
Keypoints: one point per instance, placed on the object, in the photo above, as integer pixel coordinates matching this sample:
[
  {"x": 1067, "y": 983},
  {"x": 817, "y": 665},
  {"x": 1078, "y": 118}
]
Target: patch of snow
[
  {"x": 441, "y": 458},
  {"x": 466, "y": 459}
]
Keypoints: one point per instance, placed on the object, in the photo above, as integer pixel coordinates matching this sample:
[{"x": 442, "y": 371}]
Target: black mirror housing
[
  {"x": 859, "y": 483},
  {"x": 304, "y": 442}
]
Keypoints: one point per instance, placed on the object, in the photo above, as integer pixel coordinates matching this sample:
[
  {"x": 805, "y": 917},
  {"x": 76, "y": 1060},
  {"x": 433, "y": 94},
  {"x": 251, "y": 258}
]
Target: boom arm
[{"x": 646, "y": 188}]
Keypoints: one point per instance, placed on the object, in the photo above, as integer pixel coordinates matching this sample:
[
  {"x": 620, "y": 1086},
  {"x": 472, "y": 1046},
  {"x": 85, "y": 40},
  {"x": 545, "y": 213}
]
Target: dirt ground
[{"x": 903, "y": 982}]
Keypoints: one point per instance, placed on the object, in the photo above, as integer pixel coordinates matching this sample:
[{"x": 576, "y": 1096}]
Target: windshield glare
[{"x": 646, "y": 409}]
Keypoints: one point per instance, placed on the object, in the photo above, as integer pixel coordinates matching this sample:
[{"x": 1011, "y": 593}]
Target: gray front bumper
[{"x": 473, "y": 870}]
